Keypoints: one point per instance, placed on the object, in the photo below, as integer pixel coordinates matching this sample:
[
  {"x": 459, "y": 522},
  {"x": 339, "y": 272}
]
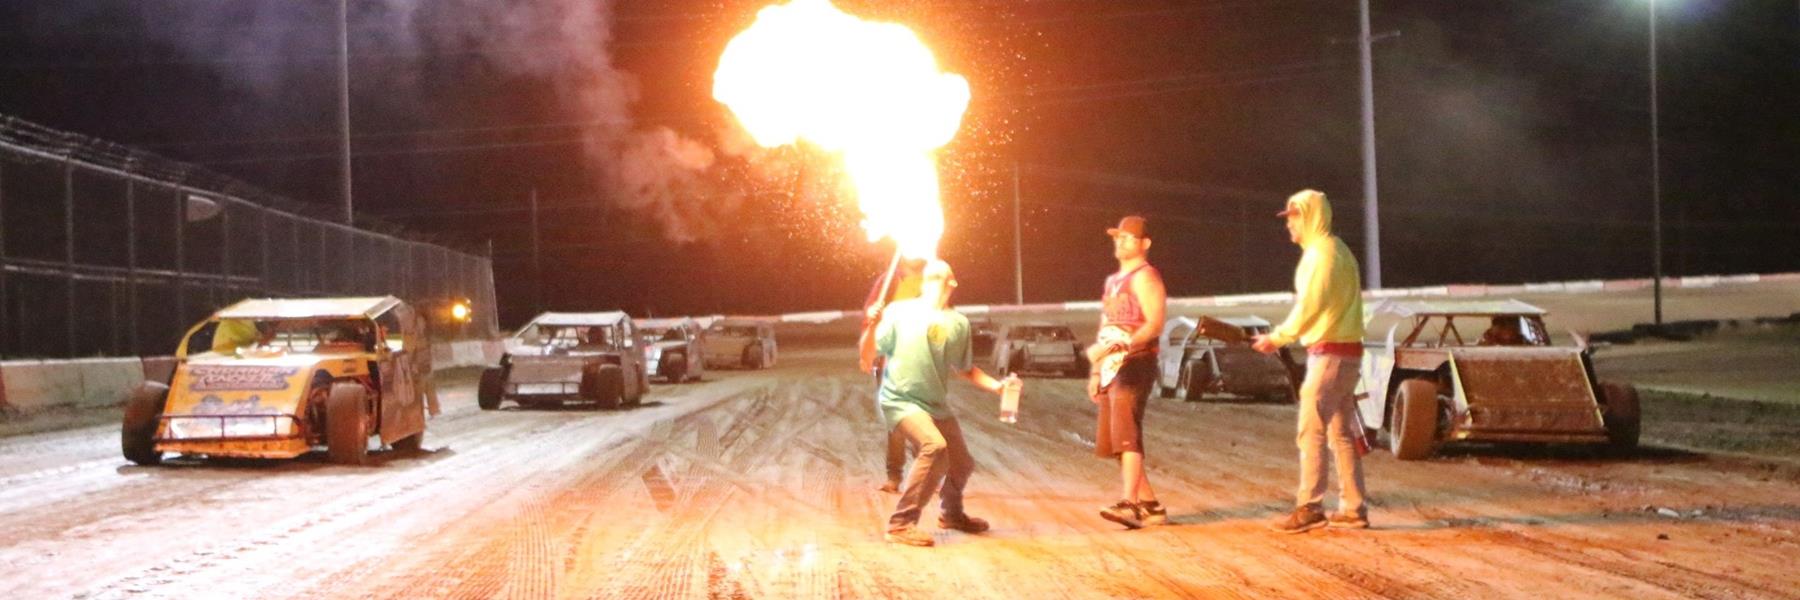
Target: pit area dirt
[{"x": 763, "y": 484}]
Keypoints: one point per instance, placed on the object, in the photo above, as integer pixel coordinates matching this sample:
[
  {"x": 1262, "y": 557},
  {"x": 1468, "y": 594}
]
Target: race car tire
[
  {"x": 753, "y": 358},
  {"x": 604, "y": 385},
  {"x": 137, "y": 431},
  {"x": 1620, "y": 413},
  {"x": 492, "y": 389},
  {"x": 1194, "y": 388},
  {"x": 677, "y": 372},
  {"x": 1414, "y": 434},
  {"x": 346, "y": 423}
]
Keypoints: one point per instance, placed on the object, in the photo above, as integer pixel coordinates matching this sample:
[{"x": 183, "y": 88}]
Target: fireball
[{"x": 869, "y": 92}]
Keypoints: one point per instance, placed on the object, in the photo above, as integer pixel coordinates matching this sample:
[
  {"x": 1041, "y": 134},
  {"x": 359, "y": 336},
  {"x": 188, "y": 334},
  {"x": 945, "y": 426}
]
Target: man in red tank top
[{"x": 1132, "y": 308}]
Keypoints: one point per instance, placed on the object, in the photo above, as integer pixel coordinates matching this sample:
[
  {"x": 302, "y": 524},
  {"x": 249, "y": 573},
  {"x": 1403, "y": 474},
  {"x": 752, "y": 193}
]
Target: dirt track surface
[{"x": 763, "y": 484}]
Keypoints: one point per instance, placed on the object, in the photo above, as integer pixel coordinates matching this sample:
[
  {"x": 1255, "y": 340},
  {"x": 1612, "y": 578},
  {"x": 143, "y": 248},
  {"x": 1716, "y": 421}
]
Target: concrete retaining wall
[
  {"x": 28, "y": 386},
  {"x": 32, "y": 385}
]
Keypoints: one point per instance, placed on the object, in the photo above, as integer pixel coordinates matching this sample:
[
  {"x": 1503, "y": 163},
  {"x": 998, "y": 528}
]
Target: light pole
[
  {"x": 1371, "y": 211},
  {"x": 1655, "y": 179}
]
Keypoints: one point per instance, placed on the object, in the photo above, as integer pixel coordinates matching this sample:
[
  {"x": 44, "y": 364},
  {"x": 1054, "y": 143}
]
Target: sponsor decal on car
[{"x": 209, "y": 378}]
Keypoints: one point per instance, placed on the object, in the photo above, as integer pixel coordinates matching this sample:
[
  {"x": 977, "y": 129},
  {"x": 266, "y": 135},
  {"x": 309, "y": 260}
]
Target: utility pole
[
  {"x": 1018, "y": 248},
  {"x": 537, "y": 270},
  {"x": 1371, "y": 210},
  {"x": 1656, "y": 228},
  {"x": 344, "y": 103}
]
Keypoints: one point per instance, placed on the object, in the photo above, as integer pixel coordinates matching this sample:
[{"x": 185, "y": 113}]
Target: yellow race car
[{"x": 276, "y": 378}]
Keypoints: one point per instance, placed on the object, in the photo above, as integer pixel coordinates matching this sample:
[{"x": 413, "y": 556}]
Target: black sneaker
[
  {"x": 1344, "y": 521},
  {"x": 1154, "y": 513},
  {"x": 1126, "y": 513},
  {"x": 1305, "y": 518}
]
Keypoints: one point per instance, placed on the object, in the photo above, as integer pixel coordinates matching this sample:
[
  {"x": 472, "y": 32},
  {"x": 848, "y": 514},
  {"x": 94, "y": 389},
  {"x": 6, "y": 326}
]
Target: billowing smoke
[{"x": 274, "y": 48}]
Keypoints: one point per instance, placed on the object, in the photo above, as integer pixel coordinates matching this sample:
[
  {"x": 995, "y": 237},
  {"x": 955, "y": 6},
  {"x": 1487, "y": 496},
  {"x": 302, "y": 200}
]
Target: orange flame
[{"x": 870, "y": 92}]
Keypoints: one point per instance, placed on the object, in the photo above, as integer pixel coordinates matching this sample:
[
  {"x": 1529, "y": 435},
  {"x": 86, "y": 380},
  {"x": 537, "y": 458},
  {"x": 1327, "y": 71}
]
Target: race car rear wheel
[
  {"x": 137, "y": 432},
  {"x": 1619, "y": 412},
  {"x": 1414, "y": 431},
  {"x": 492, "y": 389},
  {"x": 753, "y": 357},
  {"x": 346, "y": 423},
  {"x": 677, "y": 371},
  {"x": 1194, "y": 386},
  {"x": 604, "y": 385}
]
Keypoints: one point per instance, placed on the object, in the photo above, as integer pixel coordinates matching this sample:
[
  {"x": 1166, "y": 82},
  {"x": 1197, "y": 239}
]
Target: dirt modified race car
[
  {"x": 276, "y": 378},
  {"x": 741, "y": 343},
  {"x": 1196, "y": 363},
  {"x": 1428, "y": 383},
  {"x": 676, "y": 350},
  {"x": 594, "y": 358},
  {"x": 1039, "y": 348}
]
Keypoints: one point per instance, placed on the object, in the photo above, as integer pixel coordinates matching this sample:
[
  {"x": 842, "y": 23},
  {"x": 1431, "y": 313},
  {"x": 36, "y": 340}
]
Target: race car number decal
[{"x": 213, "y": 378}]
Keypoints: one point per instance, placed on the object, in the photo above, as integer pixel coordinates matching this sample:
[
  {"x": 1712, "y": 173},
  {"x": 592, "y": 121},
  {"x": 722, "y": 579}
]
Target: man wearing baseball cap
[
  {"x": 1327, "y": 318},
  {"x": 923, "y": 342},
  {"x": 1133, "y": 303}
]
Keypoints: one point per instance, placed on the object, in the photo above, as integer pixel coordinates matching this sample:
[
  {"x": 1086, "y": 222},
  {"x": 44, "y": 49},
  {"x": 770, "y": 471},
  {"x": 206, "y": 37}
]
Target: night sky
[{"x": 1513, "y": 136}]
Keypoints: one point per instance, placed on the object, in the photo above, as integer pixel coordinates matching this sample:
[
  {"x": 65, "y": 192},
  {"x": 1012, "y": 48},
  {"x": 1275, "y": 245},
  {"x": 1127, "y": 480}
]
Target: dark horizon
[{"x": 1513, "y": 138}]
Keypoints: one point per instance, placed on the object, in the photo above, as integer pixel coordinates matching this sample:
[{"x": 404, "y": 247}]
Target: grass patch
[{"x": 1707, "y": 422}]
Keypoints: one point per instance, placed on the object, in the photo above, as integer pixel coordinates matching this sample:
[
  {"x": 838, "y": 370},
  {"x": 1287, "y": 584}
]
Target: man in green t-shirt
[{"x": 923, "y": 342}]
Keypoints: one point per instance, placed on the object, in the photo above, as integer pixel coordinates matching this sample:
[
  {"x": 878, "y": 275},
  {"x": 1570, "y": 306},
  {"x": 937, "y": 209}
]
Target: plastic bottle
[{"x": 1009, "y": 398}]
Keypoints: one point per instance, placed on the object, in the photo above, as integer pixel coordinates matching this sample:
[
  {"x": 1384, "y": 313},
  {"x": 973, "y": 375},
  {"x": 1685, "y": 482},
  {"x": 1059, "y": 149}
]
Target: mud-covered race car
[
  {"x": 1196, "y": 363},
  {"x": 1039, "y": 348},
  {"x": 740, "y": 343},
  {"x": 676, "y": 350},
  {"x": 273, "y": 378},
  {"x": 1434, "y": 381},
  {"x": 594, "y": 358}
]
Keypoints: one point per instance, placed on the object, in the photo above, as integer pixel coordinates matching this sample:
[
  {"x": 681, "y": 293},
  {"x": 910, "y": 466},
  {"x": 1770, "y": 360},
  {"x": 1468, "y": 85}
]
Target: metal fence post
[
  {"x": 131, "y": 258},
  {"x": 181, "y": 199},
  {"x": 69, "y": 253},
  {"x": 5, "y": 308},
  {"x": 262, "y": 278},
  {"x": 222, "y": 289}
]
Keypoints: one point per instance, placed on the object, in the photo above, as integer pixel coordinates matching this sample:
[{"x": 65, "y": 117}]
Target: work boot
[
  {"x": 1347, "y": 521},
  {"x": 963, "y": 523},
  {"x": 1305, "y": 518},
  {"x": 1126, "y": 513},
  {"x": 909, "y": 535},
  {"x": 1154, "y": 513}
]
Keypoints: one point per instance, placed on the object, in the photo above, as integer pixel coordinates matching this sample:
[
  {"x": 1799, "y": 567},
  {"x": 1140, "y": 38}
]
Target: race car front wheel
[
  {"x": 492, "y": 388},
  {"x": 137, "y": 434},
  {"x": 346, "y": 423},
  {"x": 604, "y": 385}
]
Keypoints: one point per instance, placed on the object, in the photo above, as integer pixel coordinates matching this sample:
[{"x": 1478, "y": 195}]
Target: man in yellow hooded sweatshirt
[{"x": 1328, "y": 319}]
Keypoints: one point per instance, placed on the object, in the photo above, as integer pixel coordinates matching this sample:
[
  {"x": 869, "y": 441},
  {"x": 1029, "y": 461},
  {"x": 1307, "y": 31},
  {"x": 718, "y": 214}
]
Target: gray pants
[
  {"x": 1327, "y": 414},
  {"x": 939, "y": 455}
]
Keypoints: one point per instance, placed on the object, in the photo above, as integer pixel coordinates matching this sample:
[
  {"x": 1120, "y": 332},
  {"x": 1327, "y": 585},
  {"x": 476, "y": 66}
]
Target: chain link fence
[{"x": 110, "y": 251}]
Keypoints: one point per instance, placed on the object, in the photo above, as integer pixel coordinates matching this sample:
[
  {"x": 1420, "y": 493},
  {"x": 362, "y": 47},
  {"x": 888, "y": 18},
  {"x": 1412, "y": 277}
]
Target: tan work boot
[{"x": 909, "y": 535}]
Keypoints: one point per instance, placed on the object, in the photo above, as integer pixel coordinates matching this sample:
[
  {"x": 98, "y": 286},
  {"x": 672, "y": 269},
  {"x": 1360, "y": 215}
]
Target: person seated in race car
[{"x": 1502, "y": 331}]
